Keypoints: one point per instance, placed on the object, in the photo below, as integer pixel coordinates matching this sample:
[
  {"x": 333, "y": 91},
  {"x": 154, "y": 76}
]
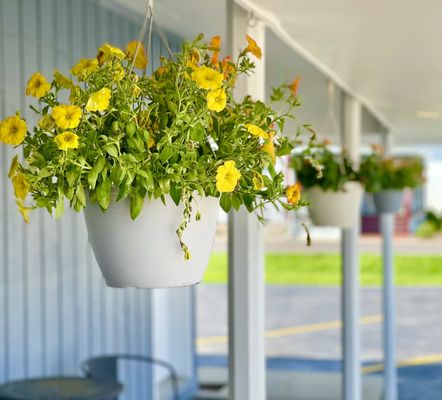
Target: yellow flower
[
  {"x": 150, "y": 142},
  {"x": 21, "y": 186},
  {"x": 99, "y": 101},
  {"x": 269, "y": 146},
  {"x": 84, "y": 68},
  {"x": 257, "y": 131},
  {"x": 258, "y": 182},
  {"x": 140, "y": 59},
  {"x": 294, "y": 86},
  {"x": 66, "y": 116},
  {"x": 118, "y": 73},
  {"x": 14, "y": 167},
  {"x": 66, "y": 140},
  {"x": 215, "y": 45},
  {"x": 253, "y": 48},
  {"x": 75, "y": 94},
  {"x": 46, "y": 122},
  {"x": 227, "y": 177},
  {"x": 216, "y": 100},
  {"x": 108, "y": 51},
  {"x": 37, "y": 85},
  {"x": 13, "y": 130},
  {"x": 62, "y": 81},
  {"x": 207, "y": 78},
  {"x": 293, "y": 194},
  {"x": 24, "y": 211}
]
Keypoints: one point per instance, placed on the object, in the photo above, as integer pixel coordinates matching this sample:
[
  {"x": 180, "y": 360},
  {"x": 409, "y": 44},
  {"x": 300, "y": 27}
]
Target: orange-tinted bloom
[
  {"x": 215, "y": 45},
  {"x": 227, "y": 66},
  {"x": 294, "y": 86},
  {"x": 253, "y": 48},
  {"x": 137, "y": 47},
  {"x": 293, "y": 194}
]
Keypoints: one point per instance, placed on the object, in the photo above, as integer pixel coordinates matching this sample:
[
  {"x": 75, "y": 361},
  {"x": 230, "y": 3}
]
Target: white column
[
  {"x": 352, "y": 389},
  {"x": 389, "y": 292},
  {"x": 246, "y": 261}
]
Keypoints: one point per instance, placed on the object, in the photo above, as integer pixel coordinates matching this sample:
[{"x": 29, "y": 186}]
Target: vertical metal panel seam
[
  {"x": 24, "y": 233},
  {"x": 59, "y": 235},
  {"x": 75, "y": 270},
  {"x": 5, "y": 194},
  {"x": 41, "y": 220}
]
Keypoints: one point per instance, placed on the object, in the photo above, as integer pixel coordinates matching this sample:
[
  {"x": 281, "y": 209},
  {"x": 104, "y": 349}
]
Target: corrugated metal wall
[{"x": 55, "y": 310}]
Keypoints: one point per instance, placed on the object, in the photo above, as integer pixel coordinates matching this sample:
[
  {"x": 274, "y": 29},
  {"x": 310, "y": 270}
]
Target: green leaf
[
  {"x": 176, "y": 193},
  {"x": 112, "y": 150},
  {"x": 166, "y": 153},
  {"x": 80, "y": 195},
  {"x": 226, "y": 202},
  {"x": 59, "y": 208},
  {"x": 104, "y": 193},
  {"x": 236, "y": 201},
  {"x": 164, "y": 185},
  {"x": 136, "y": 205}
]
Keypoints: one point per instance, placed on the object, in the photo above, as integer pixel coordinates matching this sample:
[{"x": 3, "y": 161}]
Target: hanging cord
[
  {"x": 148, "y": 20},
  {"x": 331, "y": 118}
]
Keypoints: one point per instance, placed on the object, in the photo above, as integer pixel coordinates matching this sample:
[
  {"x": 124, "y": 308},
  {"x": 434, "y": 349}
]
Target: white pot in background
[
  {"x": 340, "y": 209},
  {"x": 145, "y": 253}
]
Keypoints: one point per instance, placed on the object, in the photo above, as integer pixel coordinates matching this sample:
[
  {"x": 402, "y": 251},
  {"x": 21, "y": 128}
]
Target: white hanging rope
[{"x": 148, "y": 21}]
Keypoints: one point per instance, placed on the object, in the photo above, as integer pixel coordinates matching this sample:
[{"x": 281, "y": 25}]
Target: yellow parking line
[
  {"x": 424, "y": 360},
  {"x": 294, "y": 330}
]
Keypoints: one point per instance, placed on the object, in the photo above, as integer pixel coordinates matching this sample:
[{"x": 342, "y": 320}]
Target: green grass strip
[{"x": 324, "y": 269}]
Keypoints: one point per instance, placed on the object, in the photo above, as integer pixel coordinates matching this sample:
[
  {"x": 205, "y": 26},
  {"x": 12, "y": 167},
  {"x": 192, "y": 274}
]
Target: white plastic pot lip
[{"x": 347, "y": 185}]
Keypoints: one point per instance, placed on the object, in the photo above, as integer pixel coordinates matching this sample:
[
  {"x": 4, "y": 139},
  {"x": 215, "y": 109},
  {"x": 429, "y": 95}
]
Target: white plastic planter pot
[
  {"x": 145, "y": 253},
  {"x": 388, "y": 201},
  {"x": 340, "y": 209}
]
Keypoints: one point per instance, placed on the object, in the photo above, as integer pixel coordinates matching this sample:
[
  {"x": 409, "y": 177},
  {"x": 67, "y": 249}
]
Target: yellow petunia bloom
[
  {"x": 293, "y": 194},
  {"x": 62, "y": 81},
  {"x": 21, "y": 186},
  {"x": 269, "y": 147},
  {"x": 13, "y": 130},
  {"x": 118, "y": 73},
  {"x": 46, "y": 122},
  {"x": 150, "y": 143},
  {"x": 66, "y": 140},
  {"x": 258, "y": 181},
  {"x": 66, "y": 116},
  {"x": 141, "y": 58},
  {"x": 216, "y": 100},
  {"x": 294, "y": 86},
  {"x": 14, "y": 167},
  {"x": 84, "y": 68},
  {"x": 108, "y": 51},
  {"x": 74, "y": 96},
  {"x": 253, "y": 48},
  {"x": 227, "y": 177},
  {"x": 207, "y": 78},
  {"x": 37, "y": 85},
  {"x": 215, "y": 46},
  {"x": 257, "y": 131},
  {"x": 24, "y": 211},
  {"x": 99, "y": 101}
]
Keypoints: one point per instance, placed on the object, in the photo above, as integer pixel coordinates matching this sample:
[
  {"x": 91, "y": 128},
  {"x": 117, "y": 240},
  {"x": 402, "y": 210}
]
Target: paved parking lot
[{"x": 303, "y": 324}]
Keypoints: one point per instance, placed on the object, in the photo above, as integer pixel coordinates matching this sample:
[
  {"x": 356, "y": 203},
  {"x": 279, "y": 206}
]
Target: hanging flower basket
[
  {"x": 388, "y": 201},
  {"x": 144, "y": 252},
  {"x": 339, "y": 209},
  {"x": 150, "y": 158},
  {"x": 387, "y": 177},
  {"x": 334, "y": 194}
]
